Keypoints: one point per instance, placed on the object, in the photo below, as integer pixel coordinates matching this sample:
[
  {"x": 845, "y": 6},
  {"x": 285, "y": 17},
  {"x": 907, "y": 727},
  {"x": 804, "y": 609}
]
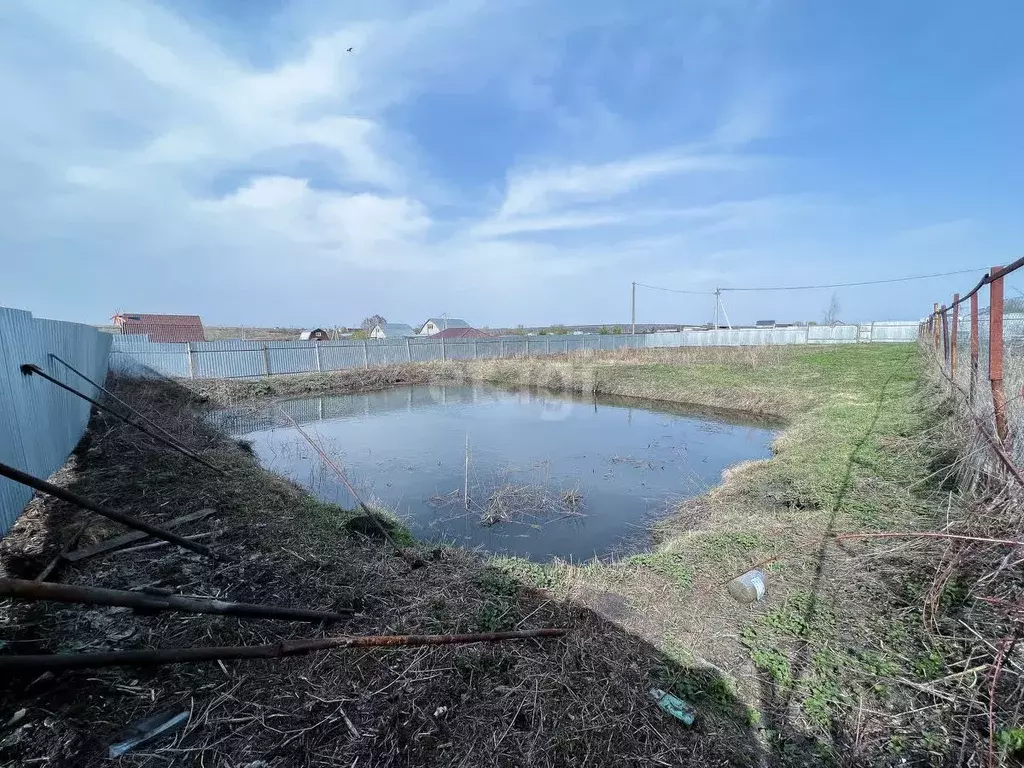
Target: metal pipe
[
  {"x": 30, "y": 368},
  {"x": 995, "y": 351},
  {"x": 114, "y": 397},
  {"x": 155, "y": 601},
  {"x": 73, "y": 498},
  {"x": 276, "y": 650}
]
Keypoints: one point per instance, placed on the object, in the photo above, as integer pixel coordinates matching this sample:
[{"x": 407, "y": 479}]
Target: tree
[
  {"x": 371, "y": 322},
  {"x": 831, "y": 316},
  {"x": 1013, "y": 305},
  {"x": 558, "y": 329}
]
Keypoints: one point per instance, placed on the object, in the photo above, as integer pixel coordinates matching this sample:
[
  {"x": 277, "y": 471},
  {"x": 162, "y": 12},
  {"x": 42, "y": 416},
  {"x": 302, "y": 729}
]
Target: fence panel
[
  {"x": 231, "y": 359},
  {"x": 39, "y": 422}
]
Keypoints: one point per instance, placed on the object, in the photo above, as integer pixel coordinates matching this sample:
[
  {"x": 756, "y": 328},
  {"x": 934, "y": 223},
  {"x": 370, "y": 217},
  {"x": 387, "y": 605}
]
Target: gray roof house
[
  {"x": 438, "y": 324},
  {"x": 392, "y": 331}
]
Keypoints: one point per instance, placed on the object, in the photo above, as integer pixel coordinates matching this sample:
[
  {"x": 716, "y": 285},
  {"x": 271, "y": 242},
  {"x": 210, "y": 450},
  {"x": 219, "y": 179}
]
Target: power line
[
  {"x": 675, "y": 290},
  {"x": 863, "y": 282}
]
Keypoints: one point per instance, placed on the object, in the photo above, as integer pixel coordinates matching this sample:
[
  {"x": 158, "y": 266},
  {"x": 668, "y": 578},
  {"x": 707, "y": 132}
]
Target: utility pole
[
  {"x": 718, "y": 301},
  {"x": 634, "y": 308}
]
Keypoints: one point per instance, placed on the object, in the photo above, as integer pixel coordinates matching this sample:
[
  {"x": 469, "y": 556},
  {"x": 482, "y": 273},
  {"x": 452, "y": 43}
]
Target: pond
[{"x": 549, "y": 474}]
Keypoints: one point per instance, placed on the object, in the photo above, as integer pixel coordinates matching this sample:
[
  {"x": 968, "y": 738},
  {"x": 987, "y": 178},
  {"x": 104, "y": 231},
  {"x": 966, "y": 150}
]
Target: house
[
  {"x": 764, "y": 324},
  {"x": 438, "y": 324},
  {"x": 167, "y": 328},
  {"x": 317, "y": 334},
  {"x": 460, "y": 333},
  {"x": 392, "y": 331}
]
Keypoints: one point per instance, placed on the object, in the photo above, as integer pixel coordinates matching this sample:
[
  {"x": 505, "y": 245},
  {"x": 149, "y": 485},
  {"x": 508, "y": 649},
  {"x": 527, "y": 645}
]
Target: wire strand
[
  {"x": 674, "y": 290},
  {"x": 862, "y": 282}
]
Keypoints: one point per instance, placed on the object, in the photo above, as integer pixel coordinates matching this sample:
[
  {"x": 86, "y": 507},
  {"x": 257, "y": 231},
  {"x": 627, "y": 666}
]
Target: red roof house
[
  {"x": 460, "y": 333},
  {"x": 162, "y": 327}
]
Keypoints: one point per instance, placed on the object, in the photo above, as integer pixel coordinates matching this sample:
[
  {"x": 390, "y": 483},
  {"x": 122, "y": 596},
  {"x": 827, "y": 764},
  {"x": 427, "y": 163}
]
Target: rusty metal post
[
  {"x": 974, "y": 345},
  {"x": 935, "y": 326},
  {"x": 954, "y": 322},
  {"x": 945, "y": 335},
  {"x": 995, "y": 351}
]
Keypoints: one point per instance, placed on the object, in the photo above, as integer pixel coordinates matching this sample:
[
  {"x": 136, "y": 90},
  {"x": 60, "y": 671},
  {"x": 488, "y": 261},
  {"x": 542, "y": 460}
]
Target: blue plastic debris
[
  {"x": 673, "y": 705},
  {"x": 147, "y": 731}
]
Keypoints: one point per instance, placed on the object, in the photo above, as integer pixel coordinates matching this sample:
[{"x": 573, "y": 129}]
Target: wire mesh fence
[{"x": 979, "y": 341}]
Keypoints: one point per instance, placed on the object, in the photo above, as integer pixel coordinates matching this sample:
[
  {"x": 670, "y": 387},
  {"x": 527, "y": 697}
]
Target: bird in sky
[{"x": 350, "y": 50}]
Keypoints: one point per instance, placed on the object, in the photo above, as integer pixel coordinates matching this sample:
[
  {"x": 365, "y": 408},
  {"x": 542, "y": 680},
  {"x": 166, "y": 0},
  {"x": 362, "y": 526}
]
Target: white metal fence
[
  {"x": 39, "y": 422},
  {"x": 245, "y": 359}
]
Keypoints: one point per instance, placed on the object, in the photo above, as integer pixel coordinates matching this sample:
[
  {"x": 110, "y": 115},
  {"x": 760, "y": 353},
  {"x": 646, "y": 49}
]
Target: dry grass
[{"x": 581, "y": 700}]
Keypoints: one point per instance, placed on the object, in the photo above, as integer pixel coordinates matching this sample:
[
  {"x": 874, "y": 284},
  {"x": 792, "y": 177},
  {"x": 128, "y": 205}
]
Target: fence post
[
  {"x": 319, "y": 365},
  {"x": 547, "y": 346},
  {"x": 954, "y": 322},
  {"x": 974, "y": 345},
  {"x": 191, "y": 360},
  {"x": 444, "y": 354},
  {"x": 945, "y": 335},
  {"x": 995, "y": 350},
  {"x": 935, "y": 326},
  {"x": 475, "y": 355},
  {"x": 266, "y": 359},
  {"x": 408, "y": 349},
  {"x": 501, "y": 348},
  {"x": 366, "y": 355}
]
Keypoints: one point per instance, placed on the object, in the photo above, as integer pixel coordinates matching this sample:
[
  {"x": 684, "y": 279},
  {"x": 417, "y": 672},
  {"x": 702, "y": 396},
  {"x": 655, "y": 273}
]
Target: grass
[{"x": 836, "y": 635}]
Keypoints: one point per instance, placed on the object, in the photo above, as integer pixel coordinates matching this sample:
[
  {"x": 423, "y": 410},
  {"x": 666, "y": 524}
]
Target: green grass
[{"x": 852, "y": 446}]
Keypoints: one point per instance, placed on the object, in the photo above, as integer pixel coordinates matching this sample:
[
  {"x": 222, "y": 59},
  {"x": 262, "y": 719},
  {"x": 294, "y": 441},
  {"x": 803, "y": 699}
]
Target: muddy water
[{"x": 550, "y": 474}]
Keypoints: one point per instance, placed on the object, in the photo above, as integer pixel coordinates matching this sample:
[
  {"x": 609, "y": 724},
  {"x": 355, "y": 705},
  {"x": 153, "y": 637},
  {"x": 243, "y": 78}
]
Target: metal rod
[
  {"x": 115, "y": 398},
  {"x": 945, "y": 335},
  {"x": 73, "y": 498},
  {"x": 413, "y": 561},
  {"x": 30, "y": 368},
  {"x": 952, "y": 335},
  {"x": 995, "y": 352},
  {"x": 276, "y": 650},
  {"x": 127, "y": 538},
  {"x": 68, "y": 593}
]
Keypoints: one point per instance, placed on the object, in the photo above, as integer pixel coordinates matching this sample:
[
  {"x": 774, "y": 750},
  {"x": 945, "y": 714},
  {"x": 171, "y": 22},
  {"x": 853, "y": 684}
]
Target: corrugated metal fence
[
  {"x": 39, "y": 422},
  {"x": 242, "y": 359}
]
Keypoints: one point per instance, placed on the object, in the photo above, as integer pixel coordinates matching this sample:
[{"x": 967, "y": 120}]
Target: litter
[
  {"x": 749, "y": 587},
  {"x": 674, "y": 706},
  {"x": 147, "y": 730}
]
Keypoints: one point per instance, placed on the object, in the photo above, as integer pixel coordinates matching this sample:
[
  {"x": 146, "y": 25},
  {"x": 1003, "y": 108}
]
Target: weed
[{"x": 667, "y": 564}]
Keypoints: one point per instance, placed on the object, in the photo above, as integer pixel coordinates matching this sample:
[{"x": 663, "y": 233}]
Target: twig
[
  {"x": 927, "y": 535},
  {"x": 413, "y": 561},
  {"x": 63, "y": 554}
]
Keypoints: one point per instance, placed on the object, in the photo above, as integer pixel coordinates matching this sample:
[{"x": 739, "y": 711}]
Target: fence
[
  {"x": 243, "y": 359},
  {"x": 39, "y": 422},
  {"x": 982, "y": 354}
]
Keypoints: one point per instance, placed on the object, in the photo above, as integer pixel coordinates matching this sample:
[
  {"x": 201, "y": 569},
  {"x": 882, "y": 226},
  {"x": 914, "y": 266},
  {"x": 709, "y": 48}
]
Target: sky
[{"x": 274, "y": 163}]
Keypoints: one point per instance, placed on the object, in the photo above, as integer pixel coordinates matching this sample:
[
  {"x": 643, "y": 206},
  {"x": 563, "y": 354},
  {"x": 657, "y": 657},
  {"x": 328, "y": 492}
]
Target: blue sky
[{"x": 506, "y": 161}]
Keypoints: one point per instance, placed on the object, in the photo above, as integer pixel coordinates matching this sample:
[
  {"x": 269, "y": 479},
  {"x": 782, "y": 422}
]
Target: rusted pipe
[
  {"x": 273, "y": 651},
  {"x": 953, "y": 323},
  {"x": 974, "y": 347},
  {"x": 31, "y": 368},
  {"x": 995, "y": 352},
  {"x": 73, "y": 498},
  {"x": 155, "y": 601}
]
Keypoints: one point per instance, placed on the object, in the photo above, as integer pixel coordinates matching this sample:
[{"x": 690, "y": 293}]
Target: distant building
[
  {"x": 437, "y": 324},
  {"x": 392, "y": 331},
  {"x": 764, "y": 324},
  {"x": 165, "y": 328},
  {"x": 317, "y": 334},
  {"x": 460, "y": 333}
]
